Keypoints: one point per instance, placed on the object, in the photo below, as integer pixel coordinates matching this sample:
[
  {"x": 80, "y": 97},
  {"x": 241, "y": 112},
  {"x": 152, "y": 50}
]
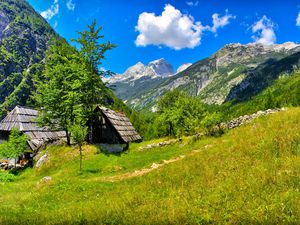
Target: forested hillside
[{"x": 24, "y": 39}]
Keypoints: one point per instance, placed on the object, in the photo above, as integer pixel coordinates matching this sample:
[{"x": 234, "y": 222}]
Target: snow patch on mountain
[
  {"x": 183, "y": 67},
  {"x": 155, "y": 69}
]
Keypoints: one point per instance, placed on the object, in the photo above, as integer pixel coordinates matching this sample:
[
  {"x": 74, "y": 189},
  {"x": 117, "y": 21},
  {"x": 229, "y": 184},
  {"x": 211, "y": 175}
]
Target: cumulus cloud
[
  {"x": 173, "y": 29},
  {"x": 52, "y": 11},
  {"x": 191, "y": 3},
  {"x": 220, "y": 21},
  {"x": 298, "y": 20},
  {"x": 263, "y": 31},
  {"x": 70, "y": 5}
]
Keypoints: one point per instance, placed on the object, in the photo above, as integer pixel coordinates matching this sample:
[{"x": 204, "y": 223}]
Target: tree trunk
[
  {"x": 68, "y": 138},
  {"x": 90, "y": 138},
  {"x": 80, "y": 150},
  {"x": 90, "y": 126},
  {"x": 171, "y": 131}
]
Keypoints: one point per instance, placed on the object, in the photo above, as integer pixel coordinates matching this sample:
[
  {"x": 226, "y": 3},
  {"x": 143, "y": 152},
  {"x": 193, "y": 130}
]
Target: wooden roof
[
  {"x": 24, "y": 120},
  {"x": 121, "y": 124}
]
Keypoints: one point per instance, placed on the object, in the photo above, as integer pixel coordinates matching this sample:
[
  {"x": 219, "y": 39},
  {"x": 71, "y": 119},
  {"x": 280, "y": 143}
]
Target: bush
[
  {"x": 6, "y": 177},
  {"x": 211, "y": 124}
]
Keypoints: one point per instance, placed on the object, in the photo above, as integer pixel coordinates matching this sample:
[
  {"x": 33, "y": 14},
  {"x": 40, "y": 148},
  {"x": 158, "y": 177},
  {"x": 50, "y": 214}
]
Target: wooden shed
[
  {"x": 24, "y": 120},
  {"x": 112, "y": 127}
]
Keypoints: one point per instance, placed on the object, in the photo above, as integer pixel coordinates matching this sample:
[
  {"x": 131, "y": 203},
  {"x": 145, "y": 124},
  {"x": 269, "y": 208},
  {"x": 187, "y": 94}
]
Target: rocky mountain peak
[
  {"x": 155, "y": 69},
  {"x": 135, "y": 69},
  {"x": 285, "y": 46},
  {"x": 246, "y": 54},
  {"x": 161, "y": 67}
]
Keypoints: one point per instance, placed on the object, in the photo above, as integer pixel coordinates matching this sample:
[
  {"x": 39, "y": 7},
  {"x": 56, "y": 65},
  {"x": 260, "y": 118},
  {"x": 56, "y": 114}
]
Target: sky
[{"x": 178, "y": 31}]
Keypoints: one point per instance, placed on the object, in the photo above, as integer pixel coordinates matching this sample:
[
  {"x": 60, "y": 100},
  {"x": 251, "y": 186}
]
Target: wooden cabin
[
  {"x": 24, "y": 119},
  {"x": 110, "y": 127}
]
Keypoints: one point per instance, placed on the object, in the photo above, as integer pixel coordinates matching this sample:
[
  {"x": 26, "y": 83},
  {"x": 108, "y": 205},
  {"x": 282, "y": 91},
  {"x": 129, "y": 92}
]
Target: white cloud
[
  {"x": 298, "y": 20},
  {"x": 191, "y": 3},
  {"x": 263, "y": 31},
  {"x": 173, "y": 29},
  {"x": 220, "y": 21},
  {"x": 70, "y": 5},
  {"x": 52, "y": 11}
]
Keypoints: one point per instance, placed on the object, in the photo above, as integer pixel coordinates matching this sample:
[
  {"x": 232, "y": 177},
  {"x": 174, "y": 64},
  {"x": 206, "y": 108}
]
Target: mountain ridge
[{"x": 213, "y": 78}]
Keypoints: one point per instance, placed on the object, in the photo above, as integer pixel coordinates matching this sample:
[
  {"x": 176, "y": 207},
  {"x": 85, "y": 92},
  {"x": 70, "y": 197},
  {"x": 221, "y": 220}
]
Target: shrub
[{"x": 6, "y": 177}]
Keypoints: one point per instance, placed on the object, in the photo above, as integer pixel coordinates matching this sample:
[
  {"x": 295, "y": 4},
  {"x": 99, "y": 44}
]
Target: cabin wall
[{"x": 103, "y": 132}]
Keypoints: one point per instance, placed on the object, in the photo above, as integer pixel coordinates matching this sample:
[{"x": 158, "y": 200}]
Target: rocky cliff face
[
  {"x": 24, "y": 39},
  {"x": 234, "y": 72}
]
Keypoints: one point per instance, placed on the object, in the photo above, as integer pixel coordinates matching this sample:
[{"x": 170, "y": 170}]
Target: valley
[{"x": 202, "y": 127}]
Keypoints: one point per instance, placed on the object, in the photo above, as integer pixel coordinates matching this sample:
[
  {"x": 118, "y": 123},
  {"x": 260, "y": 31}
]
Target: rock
[
  {"x": 160, "y": 144},
  {"x": 10, "y": 166},
  {"x": 248, "y": 118},
  {"x": 154, "y": 166},
  {"x": 46, "y": 179},
  {"x": 112, "y": 148},
  {"x": 42, "y": 160}
]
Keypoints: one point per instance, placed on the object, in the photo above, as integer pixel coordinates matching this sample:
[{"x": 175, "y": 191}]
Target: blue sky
[{"x": 179, "y": 31}]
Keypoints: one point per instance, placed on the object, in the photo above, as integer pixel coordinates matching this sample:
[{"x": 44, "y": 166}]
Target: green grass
[{"x": 251, "y": 175}]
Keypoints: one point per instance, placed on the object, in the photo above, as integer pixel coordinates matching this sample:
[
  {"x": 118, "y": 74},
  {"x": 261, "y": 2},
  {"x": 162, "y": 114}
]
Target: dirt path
[{"x": 143, "y": 171}]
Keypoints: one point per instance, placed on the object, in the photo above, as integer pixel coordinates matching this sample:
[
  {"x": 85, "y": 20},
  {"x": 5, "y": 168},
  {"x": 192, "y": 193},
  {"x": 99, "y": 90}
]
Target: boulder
[
  {"x": 42, "y": 160},
  {"x": 46, "y": 179}
]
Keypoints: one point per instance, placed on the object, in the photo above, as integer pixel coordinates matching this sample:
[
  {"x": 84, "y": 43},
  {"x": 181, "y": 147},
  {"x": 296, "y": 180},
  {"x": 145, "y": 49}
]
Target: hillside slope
[
  {"x": 282, "y": 91},
  {"x": 24, "y": 39},
  {"x": 250, "y": 175}
]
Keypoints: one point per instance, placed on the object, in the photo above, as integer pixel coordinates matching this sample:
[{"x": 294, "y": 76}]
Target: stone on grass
[{"x": 42, "y": 160}]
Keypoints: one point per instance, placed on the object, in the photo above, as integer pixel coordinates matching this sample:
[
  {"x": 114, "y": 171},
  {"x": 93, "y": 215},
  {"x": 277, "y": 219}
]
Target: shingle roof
[
  {"x": 24, "y": 120},
  {"x": 121, "y": 124}
]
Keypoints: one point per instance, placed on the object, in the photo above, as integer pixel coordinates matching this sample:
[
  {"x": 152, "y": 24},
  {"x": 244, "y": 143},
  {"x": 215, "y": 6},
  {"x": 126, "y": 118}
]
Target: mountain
[
  {"x": 234, "y": 73},
  {"x": 24, "y": 39},
  {"x": 140, "y": 78}
]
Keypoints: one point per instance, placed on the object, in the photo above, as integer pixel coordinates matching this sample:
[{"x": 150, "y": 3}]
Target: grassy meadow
[{"x": 250, "y": 175}]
